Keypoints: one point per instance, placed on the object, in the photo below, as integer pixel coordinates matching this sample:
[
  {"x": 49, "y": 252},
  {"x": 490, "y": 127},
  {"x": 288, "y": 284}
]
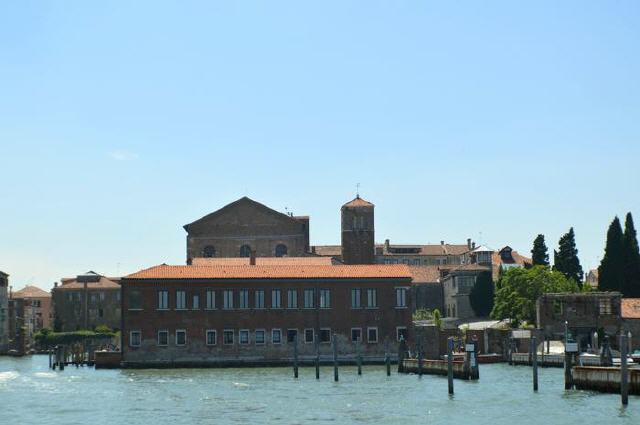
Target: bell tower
[{"x": 358, "y": 235}]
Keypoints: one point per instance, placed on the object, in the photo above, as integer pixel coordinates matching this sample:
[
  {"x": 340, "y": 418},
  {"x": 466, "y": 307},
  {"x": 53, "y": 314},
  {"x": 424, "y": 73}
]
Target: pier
[{"x": 604, "y": 379}]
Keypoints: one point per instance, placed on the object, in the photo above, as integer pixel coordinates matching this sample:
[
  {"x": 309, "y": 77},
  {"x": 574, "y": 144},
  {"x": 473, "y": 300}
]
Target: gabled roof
[
  {"x": 102, "y": 283},
  {"x": 426, "y": 274},
  {"x": 378, "y": 271},
  {"x": 630, "y": 308},
  {"x": 357, "y": 202},
  {"x": 263, "y": 261},
  {"x": 30, "y": 291}
]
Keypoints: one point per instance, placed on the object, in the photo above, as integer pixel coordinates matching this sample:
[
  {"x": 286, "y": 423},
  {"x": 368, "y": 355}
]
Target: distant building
[
  {"x": 457, "y": 284},
  {"x": 87, "y": 301},
  {"x": 592, "y": 278},
  {"x": 358, "y": 232},
  {"x": 631, "y": 320},
  {"x": 245, "y": 226},
  {"x": 426, "y": 287},
  {"x": 252, "y": 314},
  {"x": 4, "y": 312},
  {"x": 29, "y": 312}
]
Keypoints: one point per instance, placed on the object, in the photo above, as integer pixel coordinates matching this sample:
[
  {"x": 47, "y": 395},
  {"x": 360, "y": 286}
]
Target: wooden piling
[
  {"x": 624, "y": 370},
  {"x": 387, "y": 357},
  {"x": 295, "y": 357},
  {"x": 359, "y": 357},
  {"x": 420, "y": 354},
  {"x": 50, "y": 362},
  {"x": 317, "y": 357},
  {"x": 534, "y": 361},
  {"x": 450, "y": 363},
  {"x": 62, "y": 357},
  {"x": 335, "y": 357},
  {"x": 474, "y": 365}
]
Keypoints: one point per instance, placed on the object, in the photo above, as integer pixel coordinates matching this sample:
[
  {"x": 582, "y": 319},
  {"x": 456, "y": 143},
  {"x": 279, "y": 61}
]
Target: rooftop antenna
[{"x": 358, "y": 190}]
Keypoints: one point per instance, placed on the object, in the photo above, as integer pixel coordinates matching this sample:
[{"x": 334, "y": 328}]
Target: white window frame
[
  {"x": 240, "y": 337},
  {"x": 163, "y": 299},
  {"x": 276, "y": 302},
  {"x": 181, "y": 299},
  {"x": 264, "y": 336},
  {"x": 313, "y": 336},
  {"x": 297, "y": 335},
  {"x": 165, "y": 331},
  {"x": 233, "y": 336},
  {"x": 211, "y": 299},
  {"x": 215, "y": 337},
  {"x": 139, "y": 334},
  {"x": 227, "y": 295},
  {"x": 401, "y": 295},
  {"x": 185, "y": 337},
  {"x": 398, "y": 329},
  {"x": 243, "y": 295},
  {"x": 351, "y": 334},
  {"x": 258, "y": 299},
  {"x": 320, "y": 336},
  {"x": 371, "y": 328},
  {"x": 279, "y": 332}
]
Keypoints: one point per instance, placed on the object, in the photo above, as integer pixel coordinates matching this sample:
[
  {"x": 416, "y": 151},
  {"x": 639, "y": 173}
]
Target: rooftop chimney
[
  {"x": 55, "y": 284},
  {"x": 252, "y": 258},
  {"x": 441, "y": 242},
  {"x": 469, "y": 244}
]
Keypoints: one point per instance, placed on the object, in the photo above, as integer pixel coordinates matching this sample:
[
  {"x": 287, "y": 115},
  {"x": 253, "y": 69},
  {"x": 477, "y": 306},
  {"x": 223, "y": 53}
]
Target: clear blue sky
[{"x": 120, "y": 123}]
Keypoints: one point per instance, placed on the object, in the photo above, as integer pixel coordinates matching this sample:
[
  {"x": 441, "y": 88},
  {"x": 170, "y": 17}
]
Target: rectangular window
[
  {"x": 276, "y": 336},
  {"x": 372, "y": 335},
  {"x": 135, "y": 300},
  {"x": 227, "y": 337},
  {"x": 212, "y": 337},
  {"x": 325, "y": 298},
  {"x": 325, "y": 335},
  {"x": 401, "y": 297},
  {"x": 228, "y": 299},
  {"x": 100, "y": 313},
  {"x": 181, "y": 300},
  {"x": 244, "y": 298},
  {"x": 309, "y": 295},
  {"x": 275, "y": 298},
  {"x": 134, "y": 338},
  {"x": 163, "y": 300},
  {"x": 101, "y": 296},
  {"x": 292, "y": 298},
  {"x": 259, "y": 299},
  {"x": 195, "y": 302},
  {"x": 308, "y": 336},
  {"x": 181, "y": 337},
  {"x": 401, "y": 333},
  {"x": 356, "y": 334},
  {"x": 372, "y": 298},
  {"x": 163, "y": 338},
  {"x": 243, "y": 337},
  {"x": 260, "y": 337},
  {"x": 292, "y": 335},
  {"x": 211, "y": 299},
  {"x": 355, "y": 298}
]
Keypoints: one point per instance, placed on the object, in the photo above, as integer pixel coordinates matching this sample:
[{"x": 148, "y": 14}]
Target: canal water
[{"x": 30, "y": 393}]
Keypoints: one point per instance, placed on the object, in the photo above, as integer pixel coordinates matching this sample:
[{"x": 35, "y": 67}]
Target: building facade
[
  {"x": 358, "y": 232},
  {"x": 86, "y": 302},
  {"x": 240, "y": 315},
  {"x": 4, "y": 312},
  {"x": 631, "y": 320},
  {"x": 245, "y": 226},
  {"x": 457, "y": 285},
  {"x": 29, "y": 312}
]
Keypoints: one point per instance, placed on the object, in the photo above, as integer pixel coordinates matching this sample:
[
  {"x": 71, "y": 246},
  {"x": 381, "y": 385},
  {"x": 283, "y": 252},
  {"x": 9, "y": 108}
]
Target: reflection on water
[{"x": 31, "y": 392}]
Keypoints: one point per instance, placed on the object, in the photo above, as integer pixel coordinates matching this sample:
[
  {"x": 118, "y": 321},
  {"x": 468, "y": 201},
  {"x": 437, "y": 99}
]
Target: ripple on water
[{"x": 8, "y": 376}]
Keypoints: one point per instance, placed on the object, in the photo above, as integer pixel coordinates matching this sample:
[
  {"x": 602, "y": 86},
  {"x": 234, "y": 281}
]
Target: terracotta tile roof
[
  {"x": 377, "y": 271},
  {"x": 31, "y": 292},
  {"x": 103, "y": 283},
  {"x": 357, "y": 202},
  {"x": 631, "y": 308},
  {"x": 264, "y": 261},
  {"x": 426, "y": 274}
]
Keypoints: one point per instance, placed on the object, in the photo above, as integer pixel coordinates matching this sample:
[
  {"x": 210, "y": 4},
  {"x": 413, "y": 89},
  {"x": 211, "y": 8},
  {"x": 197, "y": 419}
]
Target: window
[
  {"x": 135, "y": 300},
  {"x": 195, "y": 302},
  {"x": 163, "y": 338},
  {"x": 275, "y": 298},
  {"x": 181, "y": 337},
  {"x": 372, "y": 298},
  {"x": 243, "y": 337},
  {"x": 401, "y": 333},
  {"x": 212, "y": 337},
  {"x": 325, "y": 335},
  {"x": 292, "y": 298},
  {"x": 259, "y": 298},
  {"x": 100, "y": 313},
  {"x": 308, "y": 336},
  {"x": 134, "y": 338},
  {"x": 94, "y": 298},
  {"x": 227, "y": 337},
  {"x": 260, "y": 337},
  {"x": 372, "y": 335},
  {"x": 356, "y": 334},
  {"x": 401, "y": 297},
  {"x": 276, "y": 336},
  {"x": 355, "y": 298},
  {"x": 292, "y": 335},
  {"x": 228, "y": 299},
  {"x": 604, "y": 306},
  {"x": 245, "y": 251},
  {"x": 244, "y": 298},
  {"x": 281, "y": 250},
  {"x": 211, "y": 299},
  {"x": 325, "y": 298},
  {"x": 163, "y": 300},
  {"x": 209, "y": 251},
  {"x": 308, "y": 298},
  {"x": 181, "y": 300},
  {"x": 101, "y": 296}
]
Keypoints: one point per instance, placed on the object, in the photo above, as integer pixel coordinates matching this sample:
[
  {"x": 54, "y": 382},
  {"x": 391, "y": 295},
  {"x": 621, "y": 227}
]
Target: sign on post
[{"x": 571, "y": 347}]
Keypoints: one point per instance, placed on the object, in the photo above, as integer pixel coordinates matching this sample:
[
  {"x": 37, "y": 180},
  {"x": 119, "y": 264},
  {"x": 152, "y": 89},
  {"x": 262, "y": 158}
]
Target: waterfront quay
[{"x": 32, "y": 393}]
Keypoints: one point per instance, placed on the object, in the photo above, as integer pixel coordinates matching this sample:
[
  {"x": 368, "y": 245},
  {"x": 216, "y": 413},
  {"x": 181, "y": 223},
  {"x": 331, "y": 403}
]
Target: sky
[{"x": 496, "y": 121}]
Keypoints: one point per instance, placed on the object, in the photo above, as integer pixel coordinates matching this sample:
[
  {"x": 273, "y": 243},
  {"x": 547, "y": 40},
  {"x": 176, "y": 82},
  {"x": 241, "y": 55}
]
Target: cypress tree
[
  {"x": 566, "y": 259},
  {"x": 631, "y": 260},
  {"x": 610, "y": 277},
  {"x": 482, "y": 294},
  {"x": 539, "y": 253}
]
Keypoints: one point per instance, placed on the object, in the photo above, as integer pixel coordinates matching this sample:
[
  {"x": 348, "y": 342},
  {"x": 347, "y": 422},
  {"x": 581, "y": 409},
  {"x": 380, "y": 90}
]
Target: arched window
[
  {"x": 245, "y": 251},
  {"x": 209, "y": 251},
  {"x": 281, "y": 250}
]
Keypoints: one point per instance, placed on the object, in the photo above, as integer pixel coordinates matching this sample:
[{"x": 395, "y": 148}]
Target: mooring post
[
  {"x": 335, "y": 357},
  {"x": 62, "y": 357},
  {"x": 50, "y": 362},
  {"x": 295, "y": 357},
  {"x": 534, "y": 361},
  {"x": 475, "y": 365},
  {"x": 450, "y": 363},
  {"x": 568, "y": 356},
  {"x": 317, "y": 357},
  {"x": 387, "y": 356},
  {"x": 359, "y": 357},
  {"x": 511, "y": 351},
  {"x": 420, "y": 354},
  {"x": 624, "y": 370}
]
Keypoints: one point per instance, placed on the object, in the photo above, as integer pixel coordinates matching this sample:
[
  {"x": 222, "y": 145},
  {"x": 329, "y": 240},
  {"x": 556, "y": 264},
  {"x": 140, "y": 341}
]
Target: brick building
[
  {"x": 631, "y": 320},
  {"x": 251, "y": 314},
  {"x": 4, "y": 312},
  {"x": 86, "y": 301},
  {"x": 358, "y": 232},
  {"x": 29, "y": 311}
]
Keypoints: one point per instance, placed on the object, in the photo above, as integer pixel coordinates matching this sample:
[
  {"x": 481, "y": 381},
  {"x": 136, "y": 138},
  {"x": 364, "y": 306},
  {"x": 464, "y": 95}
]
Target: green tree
[
  {"x": 519, "y": 289},
  {"x": 540, "y": 253},
  {"x": 566, "y": 260},
  {"x": 630, "y": 260},
  {"x": 610, "y": 277},
  {"x": 481, "y": 295}
]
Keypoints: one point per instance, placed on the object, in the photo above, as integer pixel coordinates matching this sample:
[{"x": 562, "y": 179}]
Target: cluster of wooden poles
[{"x": 62, "y": 355}]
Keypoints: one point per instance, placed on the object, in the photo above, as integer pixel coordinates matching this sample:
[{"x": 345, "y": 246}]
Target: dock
[{"x": 604, "y": 379}]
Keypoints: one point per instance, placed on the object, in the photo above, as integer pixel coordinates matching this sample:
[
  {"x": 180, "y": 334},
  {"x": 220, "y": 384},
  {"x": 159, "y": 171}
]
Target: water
[{"x": 30, "y": 394}]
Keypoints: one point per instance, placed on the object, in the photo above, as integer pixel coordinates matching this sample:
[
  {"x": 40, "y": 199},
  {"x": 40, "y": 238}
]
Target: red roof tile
[
  {"x": 30, "y": 292},
  {"x": 631, "y": 308},
  {"x": 357, "y": 202},
  {"x": 103, "y": 283},
  {"x": 264, "y": 261}
]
